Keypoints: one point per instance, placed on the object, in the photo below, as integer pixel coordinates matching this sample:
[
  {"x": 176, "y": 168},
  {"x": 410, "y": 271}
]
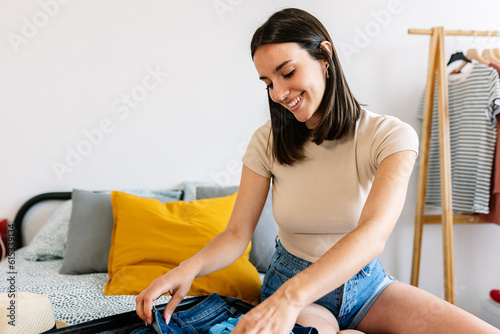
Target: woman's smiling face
[{"x": 294, "y": 79}]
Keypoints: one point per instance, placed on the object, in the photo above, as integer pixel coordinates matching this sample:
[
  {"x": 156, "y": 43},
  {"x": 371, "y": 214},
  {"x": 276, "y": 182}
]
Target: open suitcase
[
  {"x": 198, "y": 308},
  {"x": 129, "y": 321}
]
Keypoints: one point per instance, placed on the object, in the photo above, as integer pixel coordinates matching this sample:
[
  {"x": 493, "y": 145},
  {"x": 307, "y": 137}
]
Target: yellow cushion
[{"x": 150, "y": 238}]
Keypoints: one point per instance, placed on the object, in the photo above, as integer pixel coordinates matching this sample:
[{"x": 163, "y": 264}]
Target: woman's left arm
[{"x": 278, "y": 313}]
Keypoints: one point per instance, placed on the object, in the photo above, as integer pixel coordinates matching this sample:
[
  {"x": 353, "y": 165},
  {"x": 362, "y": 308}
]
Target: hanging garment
[
  {"x": 496, "y": 67},
  {"x": 494, "y": 215},
  {"x": 474, "y": 101}
]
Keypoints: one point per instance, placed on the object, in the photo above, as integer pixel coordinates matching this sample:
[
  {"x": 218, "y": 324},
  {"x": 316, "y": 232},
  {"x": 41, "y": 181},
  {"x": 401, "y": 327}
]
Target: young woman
[{"x": 340, "y": 175}]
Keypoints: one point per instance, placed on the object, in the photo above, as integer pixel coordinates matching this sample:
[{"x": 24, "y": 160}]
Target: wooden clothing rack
[{"x": 437, "y": 67}]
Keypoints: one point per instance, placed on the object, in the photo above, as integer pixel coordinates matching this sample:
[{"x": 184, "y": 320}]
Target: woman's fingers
[
  {"x": 145, "y": 300},
  {"x": 171, "y": 306},
  {"x": 144, "y": 306},
  {"x": 141, "y": 310},
  {"x": 176, "y": 282}
]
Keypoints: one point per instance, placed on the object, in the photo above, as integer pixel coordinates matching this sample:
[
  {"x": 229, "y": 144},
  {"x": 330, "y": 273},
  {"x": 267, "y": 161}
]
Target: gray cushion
[
  {"x": 212, "y": 192},
  {"x": 263, "y": 239},
  {"x": 189, "y": 189},
  {"x": 91, "y": 226},
  {"x": 89, "y": 233}
]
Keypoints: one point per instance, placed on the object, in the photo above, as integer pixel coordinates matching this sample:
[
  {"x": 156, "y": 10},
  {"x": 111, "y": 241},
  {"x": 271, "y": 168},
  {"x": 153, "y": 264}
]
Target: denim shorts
[{"x": 349, "y": 303}]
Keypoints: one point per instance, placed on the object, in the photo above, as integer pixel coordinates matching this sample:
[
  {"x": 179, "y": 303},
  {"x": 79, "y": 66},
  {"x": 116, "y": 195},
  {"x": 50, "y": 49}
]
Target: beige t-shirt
[{"x": 319, "y": 200}]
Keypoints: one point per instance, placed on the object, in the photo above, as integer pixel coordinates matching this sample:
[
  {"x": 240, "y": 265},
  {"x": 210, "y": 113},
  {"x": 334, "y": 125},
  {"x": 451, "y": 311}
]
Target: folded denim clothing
[
  {"x": 197, "y": 319},
  {"x": 201, "y": 318}
]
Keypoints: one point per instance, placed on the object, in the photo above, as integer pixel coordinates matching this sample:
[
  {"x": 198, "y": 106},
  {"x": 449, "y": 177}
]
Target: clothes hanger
[
  {"x": 496, "y": 51},
  {"x": 473, "y": 54},
  {"x": 458, "y": 56},
  {"x": 489, "y": 55}
]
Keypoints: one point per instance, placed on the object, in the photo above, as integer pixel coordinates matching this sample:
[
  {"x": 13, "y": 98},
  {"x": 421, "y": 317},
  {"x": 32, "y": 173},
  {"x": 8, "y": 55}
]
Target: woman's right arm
[{"x": 221, "y": 252}]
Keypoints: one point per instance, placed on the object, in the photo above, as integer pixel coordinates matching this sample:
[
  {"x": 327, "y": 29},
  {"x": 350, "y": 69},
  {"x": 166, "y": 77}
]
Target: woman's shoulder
[
  {"x": 374, "y": 122},
  {"x": 368, "y": 117},
  {"x": 385, "y": 133}
]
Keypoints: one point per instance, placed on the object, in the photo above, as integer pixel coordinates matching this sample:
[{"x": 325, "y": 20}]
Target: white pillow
[{"x": 50, "y": 242}]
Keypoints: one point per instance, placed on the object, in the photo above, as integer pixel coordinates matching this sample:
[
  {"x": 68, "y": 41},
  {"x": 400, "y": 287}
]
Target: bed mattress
[{"x": 75, "y": 298}]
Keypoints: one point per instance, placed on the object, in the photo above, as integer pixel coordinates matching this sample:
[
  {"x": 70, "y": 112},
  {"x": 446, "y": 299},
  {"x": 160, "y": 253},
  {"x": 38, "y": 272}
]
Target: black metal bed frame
[{"x": 21, "y": 213}]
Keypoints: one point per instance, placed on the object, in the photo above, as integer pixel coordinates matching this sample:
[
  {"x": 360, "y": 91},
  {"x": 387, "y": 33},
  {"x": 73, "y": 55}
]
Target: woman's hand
[
  {"x": 177, "y": 282},
  {"x": 274, "y": 315}
]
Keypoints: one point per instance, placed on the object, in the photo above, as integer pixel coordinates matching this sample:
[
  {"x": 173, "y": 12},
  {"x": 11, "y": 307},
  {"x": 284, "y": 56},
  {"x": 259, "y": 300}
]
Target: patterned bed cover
[{"x": 75, "y": 298}]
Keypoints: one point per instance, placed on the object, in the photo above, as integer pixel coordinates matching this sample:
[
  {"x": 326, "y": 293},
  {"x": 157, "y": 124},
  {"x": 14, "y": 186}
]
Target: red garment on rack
[
  {"x": 494, "y": 215},
  {"x": 494, "y": 206},
  {"x": 495, "y": 66}
]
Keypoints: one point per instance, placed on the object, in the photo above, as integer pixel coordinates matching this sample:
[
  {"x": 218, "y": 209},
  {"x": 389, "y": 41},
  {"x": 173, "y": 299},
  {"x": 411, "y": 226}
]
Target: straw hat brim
[{"x": 26, "y": 313}]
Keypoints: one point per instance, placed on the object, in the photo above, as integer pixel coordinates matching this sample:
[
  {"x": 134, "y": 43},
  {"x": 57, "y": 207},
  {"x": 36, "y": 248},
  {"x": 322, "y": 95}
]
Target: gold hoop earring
[{"x": 326, "y": 73}]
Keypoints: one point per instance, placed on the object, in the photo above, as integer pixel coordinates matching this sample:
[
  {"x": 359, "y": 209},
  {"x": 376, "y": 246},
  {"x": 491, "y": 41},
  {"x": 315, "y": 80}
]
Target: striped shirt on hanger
[{"x": 474, "y": 101}]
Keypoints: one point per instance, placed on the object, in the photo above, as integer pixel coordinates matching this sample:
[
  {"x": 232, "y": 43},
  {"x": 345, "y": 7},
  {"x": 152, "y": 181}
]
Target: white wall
[{"x": 72, "y": 71}]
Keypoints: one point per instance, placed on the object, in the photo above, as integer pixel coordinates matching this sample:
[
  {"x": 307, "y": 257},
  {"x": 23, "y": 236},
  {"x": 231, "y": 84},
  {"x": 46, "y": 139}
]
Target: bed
[{"x": 79, "y": 296}]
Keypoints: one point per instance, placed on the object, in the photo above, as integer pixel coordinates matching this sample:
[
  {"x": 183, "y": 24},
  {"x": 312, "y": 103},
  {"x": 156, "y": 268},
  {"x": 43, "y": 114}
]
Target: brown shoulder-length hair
[{"x": 339, "y": 108}]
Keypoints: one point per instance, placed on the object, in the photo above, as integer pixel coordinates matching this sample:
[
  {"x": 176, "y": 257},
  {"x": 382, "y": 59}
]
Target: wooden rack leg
[
  {"x": 445, "y": 162},
  {"x": 436, "y": 66},
  {"x": 424, "y": 157}
]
